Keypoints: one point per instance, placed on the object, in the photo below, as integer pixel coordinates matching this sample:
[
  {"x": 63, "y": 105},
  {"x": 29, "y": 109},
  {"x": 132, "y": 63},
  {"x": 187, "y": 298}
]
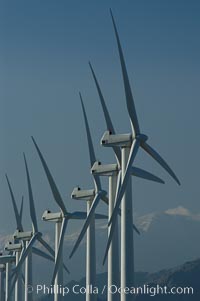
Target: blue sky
[{"x": 44, "y": 52}]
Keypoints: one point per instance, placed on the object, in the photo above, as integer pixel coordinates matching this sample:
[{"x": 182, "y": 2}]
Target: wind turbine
[
  {"x": 129, "y": 144},
  {"x": 113, "y": 172},
  {"x": 18, "y": 248},
  {"x": 7, "y": 261},
  {"x": 64, "y": 216},
  {"x": 29, "y": 238},
  {"x": 89, "y": 196}
]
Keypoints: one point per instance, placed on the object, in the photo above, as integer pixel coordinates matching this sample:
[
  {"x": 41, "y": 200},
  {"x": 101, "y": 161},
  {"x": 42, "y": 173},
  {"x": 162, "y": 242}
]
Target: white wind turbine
[
  {"x": 56, "y": 218},
  {"x": 129, "y": 144},
  {"x": 113, "y": 172},
  {"x": 7, "y": 261},
  {"x": 29, "y": 238},
  {"x": 16, "y": 247},
  {"x": 89, "y": 196},
  {"x": 64, "y": 215}
]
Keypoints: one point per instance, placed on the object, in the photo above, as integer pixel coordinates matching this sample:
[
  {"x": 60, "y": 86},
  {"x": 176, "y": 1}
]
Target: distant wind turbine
[
  {"x": 7, "y": 261},
  {"x": 28, "y": 239},
  {"x": 16, "y": 247},
  {"x": 19, "y": 227},
  {"x": 65, "y": 216}
]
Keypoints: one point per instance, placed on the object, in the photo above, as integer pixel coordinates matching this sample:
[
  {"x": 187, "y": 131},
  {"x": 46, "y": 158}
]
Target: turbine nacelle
[
  {"x": 81, "y": 194},
  {"x": 12, "y": 247},
  {"x": 121, "y": 140},
  {"x": 104, "y": 169},
  {"x": 23, "y": 235},
  {"x": 7, "y": 259},
  {"x": 54, "y": 217}
]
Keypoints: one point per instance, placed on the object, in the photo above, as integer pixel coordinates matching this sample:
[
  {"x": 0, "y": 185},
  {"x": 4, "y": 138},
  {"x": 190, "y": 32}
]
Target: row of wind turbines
[{"x": 16, "y": 264}]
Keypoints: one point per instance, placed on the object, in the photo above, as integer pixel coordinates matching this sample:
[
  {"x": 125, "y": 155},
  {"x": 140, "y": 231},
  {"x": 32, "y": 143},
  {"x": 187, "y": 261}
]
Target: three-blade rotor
[{"x": 138, "y": 139}]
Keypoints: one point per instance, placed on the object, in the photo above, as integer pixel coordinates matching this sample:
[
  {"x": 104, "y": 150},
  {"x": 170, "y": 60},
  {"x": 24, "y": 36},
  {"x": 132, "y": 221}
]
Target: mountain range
[{"x": 183, "y": 276}]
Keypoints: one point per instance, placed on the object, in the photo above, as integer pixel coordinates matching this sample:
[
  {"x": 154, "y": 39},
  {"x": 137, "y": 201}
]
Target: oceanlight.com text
[{"x": 113, "y": 289}]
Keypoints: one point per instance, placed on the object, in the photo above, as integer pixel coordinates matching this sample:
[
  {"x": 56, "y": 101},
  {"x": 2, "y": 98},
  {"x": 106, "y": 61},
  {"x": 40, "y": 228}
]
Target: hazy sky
[{"x": 44, "y": 52}]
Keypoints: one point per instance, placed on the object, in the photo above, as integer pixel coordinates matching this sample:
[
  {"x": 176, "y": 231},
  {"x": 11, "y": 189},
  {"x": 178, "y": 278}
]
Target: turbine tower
[
  {"x": 2, "y": 280},
  {"x": 113, "y": 172},
  {"x": 7, "y": 260},
  {"x": 129, "y": 144}
]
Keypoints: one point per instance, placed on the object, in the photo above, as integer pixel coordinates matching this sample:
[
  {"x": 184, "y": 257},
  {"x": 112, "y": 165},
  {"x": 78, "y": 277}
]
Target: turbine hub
[{"x": 142, "y": 137}]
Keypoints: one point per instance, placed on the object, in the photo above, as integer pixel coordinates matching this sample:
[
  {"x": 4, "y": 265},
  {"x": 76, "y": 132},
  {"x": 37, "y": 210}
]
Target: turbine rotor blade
[
  {"x": 100, "y": 216},
  {"x": 141, "y": 173},
  {"x": 21, "y": 208},
  {"x": 90, "y": 215},
  {"x": 105, "y": 110},
  {"x": 60, "y": 249},
  {"x": 133, "y": 151},
  {"x": 46, "y": 246},
  {"x": 112, "y": 227},
  {"x": 160, "y": 160},
  {"x": 50, "y": 250},
  {"x": 31, "y": 200},
  {"x": 110, "y": 237},
  {"x": 90, "y": 145},
  {"x": 51, "y": 181},
  {"x": 12, "y": 287},
  {"x": 17, "y": 215},
  {"x": 106, "y": 114},
  {"x": 23, "y": 279},
  {"x": 42, "y": 254},
  {"x": 83, "y": 215},
  {"x": 78, "y": 215},
  {"x": 136, "y": 229},
  {"x": 105, "y": 199},
  {"x": 89, "y": 138},
  {"x": 129, "y": 97}
]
